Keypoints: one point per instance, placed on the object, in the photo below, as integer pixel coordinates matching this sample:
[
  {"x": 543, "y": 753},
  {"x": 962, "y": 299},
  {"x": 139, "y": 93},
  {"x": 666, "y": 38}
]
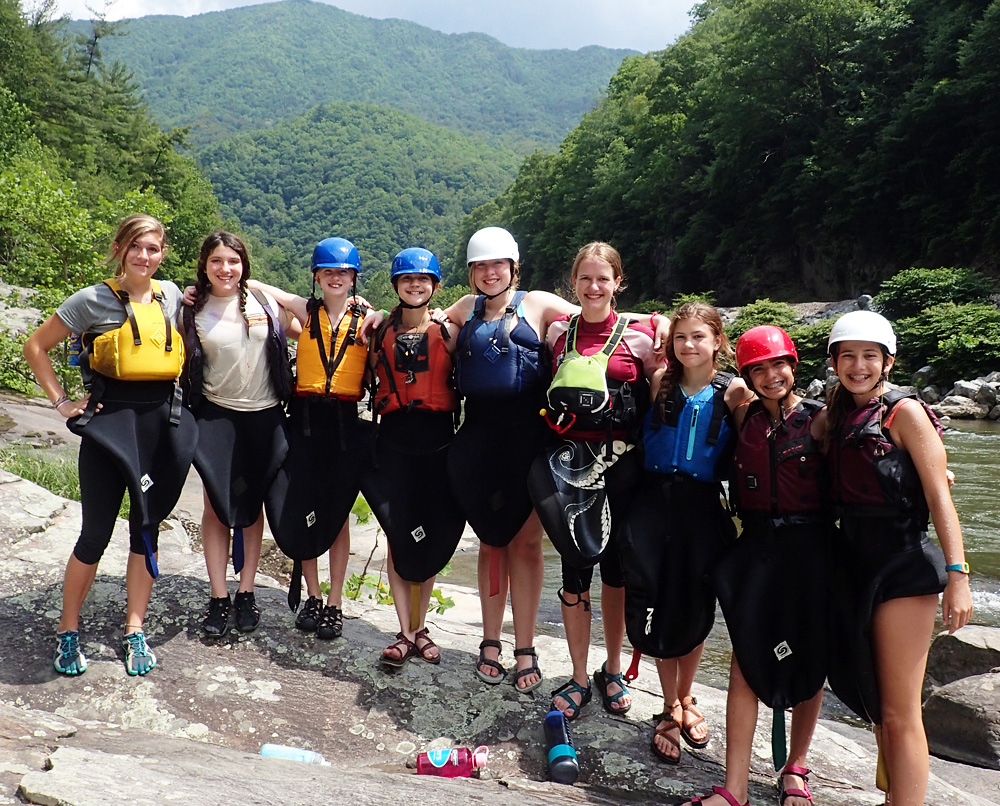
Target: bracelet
[
  {"x": 60, "y": 401},
  {"x": 652, "y": 319},
  {"x": 963, "y": 567}
]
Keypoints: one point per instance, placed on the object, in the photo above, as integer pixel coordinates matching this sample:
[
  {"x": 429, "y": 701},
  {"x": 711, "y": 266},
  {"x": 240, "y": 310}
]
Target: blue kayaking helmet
[
  {"x": 336, "y": 253},
  {"x": 415, "y": 261}
]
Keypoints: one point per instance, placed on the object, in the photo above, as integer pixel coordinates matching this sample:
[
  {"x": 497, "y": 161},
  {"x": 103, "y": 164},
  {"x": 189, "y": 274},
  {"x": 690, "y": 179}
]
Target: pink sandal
[
  {"x": 784, "y": 794},
  {"x": 724, "y": 793}
]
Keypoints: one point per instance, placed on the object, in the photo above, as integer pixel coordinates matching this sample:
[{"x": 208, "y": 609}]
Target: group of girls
[{"x": 631, "y": 483}]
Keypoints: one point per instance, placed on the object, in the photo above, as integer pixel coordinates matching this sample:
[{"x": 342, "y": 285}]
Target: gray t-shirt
[{"x": 95, "y": 309}]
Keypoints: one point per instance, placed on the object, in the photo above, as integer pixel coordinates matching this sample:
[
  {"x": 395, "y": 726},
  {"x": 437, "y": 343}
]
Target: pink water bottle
[{"x": 459, "y": 762}]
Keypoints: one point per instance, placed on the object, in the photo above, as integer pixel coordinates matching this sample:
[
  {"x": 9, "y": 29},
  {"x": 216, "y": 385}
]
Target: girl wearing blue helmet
[{"x": 415, "y": 404}]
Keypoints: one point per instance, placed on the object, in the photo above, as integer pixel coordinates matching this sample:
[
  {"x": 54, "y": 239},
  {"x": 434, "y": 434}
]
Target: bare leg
[
  {"x": 138, "y": 587},
  {"x": 526, "y": 570},
  {"x": 76, "y": 585},
  {"x": 687, "y": 669},
  {"x": 613, "y": 616},
  {"x": 901, "y": 632},
  {"x": 805, "y": 715},
  {"x": 576, "y": 620},
  {"x": 401, "y": 597},
  {"x": 667, "y": 669},
  {"x": 492, "y": 606},
  {"x": 215, "y": 539},
  {"x": 252, "y": 538},
  {"x": 340, "y": 553}
]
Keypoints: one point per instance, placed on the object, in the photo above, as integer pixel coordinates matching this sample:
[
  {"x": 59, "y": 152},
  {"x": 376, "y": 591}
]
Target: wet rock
[
  {"x": 963, "y": 721},
  {"x": 969, "y": 651},
  {"x": 961, "y": 407},
  {"x": 995, "y": 413}
]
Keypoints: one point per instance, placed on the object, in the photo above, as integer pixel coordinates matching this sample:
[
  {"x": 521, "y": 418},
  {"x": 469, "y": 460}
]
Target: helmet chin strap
[
  {"x": 498, "y": 294},
  {"x": 412, "y": 307}
]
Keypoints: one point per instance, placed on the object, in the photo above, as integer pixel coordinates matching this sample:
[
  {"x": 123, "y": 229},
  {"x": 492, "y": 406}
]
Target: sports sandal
[
  {"x": 484, "y": 661},
  {"x": 403, "y": 647},
  {"x": 603, "y": 678},
  {"x": 331, "y": 623},
  {"x": 69, "y": 660},
  {"x": 424, "y": 650},
  {"x": 139, "y": 658},
  {"x": 312, "y": 612},
  {"x": 723, "y": 793},
  {"x": 792, "y": 792},
  {"x": 565, "y": 690},
  {"x": 688, "y": 705},
  {"x": 672, "y": 724},
  {"x": 533, "y": 669}
]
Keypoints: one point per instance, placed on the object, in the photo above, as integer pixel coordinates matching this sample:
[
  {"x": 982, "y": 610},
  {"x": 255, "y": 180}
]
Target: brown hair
[
  {"x": 600, "y": 251},
  {"x": 202, "y": 285},
  {"x": 129, "y": 231},
  {"x": 722, "y": 357},
  {"x": 840, "y": 402}
]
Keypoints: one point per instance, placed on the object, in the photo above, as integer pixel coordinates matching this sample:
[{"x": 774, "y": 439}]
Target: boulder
[
  {"x": 963, "y": 721},
  {"x": 965, "y": 389},
  {"x": 922, "y": 376},
  {"x": 816, "y": 389},
  {"x": 993, "y": 377},
  {"x": 930, "y": 394},
  {"x": 971, "y": 650},
  {"x": 831, "y": 379},
  {"x": 961, "y": 407},
  {"x": 987, "y": 394},
  {"x": 995, "y": 413}
]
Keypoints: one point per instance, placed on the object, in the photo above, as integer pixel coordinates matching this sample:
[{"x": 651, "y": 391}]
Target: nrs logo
[
  {"x": 649, "y": 620},
  {"x": 145, "y": 482}
]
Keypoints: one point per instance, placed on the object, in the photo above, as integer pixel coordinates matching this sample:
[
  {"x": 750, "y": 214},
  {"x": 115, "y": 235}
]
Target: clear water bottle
[
  {"x": 563, "y": 765},
  {"x": 459, "y": 762},
  {"x": 293, "y": 754}
]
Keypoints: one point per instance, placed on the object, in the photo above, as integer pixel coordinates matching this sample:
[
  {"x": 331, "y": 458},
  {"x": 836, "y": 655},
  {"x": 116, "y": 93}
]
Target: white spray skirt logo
[
  {"x": 311, "y": 518},
  {"x": 649, "y": 620},
  {"x": 418, "y": 534},
  {"x": 145, "y": 482},
  {"x": 782, "y": 650}
]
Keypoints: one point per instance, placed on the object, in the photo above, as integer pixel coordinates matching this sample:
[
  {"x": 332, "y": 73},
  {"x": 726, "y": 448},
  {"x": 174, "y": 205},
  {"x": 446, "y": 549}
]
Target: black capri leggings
[
  {"x": 578, "y": 580},
  {"x": 102, "y": 487}
]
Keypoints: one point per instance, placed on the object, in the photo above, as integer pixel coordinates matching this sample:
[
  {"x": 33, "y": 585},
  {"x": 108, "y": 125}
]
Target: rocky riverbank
[{"x": 194, "y": 726}]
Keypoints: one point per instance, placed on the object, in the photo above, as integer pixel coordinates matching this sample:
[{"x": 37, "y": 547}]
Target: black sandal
[
  {"x": 533, "y": 669},
  {"x": 331, "y": 624},
  {"x": 484, "y": 661}
]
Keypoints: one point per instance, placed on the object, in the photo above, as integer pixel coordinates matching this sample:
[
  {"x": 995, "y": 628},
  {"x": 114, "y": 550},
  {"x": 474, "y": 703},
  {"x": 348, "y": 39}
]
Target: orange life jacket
[
  {"x": 414, "y": 370},
  {"x": 328, "y": 363}
]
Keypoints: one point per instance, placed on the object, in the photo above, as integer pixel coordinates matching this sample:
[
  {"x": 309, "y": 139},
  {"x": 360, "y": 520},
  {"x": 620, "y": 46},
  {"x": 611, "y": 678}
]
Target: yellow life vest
[
  {"x": 328, "y": 363},
  {"x": 147, "y": 347}
]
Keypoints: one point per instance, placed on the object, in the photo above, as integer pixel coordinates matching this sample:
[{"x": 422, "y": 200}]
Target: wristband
[
  {"x": 652, "y": 319},
  {"x": 60, "y": 401},
  {"x": 963, "y": 567}
]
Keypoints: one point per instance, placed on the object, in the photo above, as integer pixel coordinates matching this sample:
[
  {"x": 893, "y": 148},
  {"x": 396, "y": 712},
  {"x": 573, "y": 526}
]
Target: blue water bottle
[
  {"x": 75, "y": 348},
  {"x": 563, "y": 765},
  {"x": 293, "y": 754}
]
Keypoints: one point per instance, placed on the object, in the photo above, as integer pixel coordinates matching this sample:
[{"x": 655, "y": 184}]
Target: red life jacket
[
  {"x": 868, "y": 471},
  {"x": 779, "y": 470},
  {"x": 414, "y": 370}
]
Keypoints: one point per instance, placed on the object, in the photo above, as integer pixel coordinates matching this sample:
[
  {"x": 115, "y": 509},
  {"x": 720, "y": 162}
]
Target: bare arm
[
  {"x": 913, "y": 431},
  {"x": 737, "y": 395},
  {"x": 36, "y": 353},
  {"x": 293, "y": 303}
]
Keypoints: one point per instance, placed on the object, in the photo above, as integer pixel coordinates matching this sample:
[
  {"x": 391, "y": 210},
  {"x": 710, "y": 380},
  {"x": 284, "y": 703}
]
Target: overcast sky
[{"x": 638, "y": 24}]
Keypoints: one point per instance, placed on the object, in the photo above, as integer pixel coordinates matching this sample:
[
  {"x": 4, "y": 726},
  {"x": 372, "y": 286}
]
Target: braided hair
[{"x": 202, "y": 285}]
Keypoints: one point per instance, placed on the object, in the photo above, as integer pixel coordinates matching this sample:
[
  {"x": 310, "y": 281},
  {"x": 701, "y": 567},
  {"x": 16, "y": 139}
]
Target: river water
[{"x": 973, "y": 452}]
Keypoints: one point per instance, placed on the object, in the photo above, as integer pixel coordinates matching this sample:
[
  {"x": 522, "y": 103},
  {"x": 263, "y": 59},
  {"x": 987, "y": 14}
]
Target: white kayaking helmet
[
  {"x": 863, "y": 326},
  {"x": 491, "y": 243}
]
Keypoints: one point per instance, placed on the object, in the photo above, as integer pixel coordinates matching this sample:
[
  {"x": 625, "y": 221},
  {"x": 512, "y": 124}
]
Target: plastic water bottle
[
  {"x": 460, "y": 762},
  {"x": 75, "y": 348},
  {"x": 563, "y": 765},
  {"x": 293, "y": 754}
]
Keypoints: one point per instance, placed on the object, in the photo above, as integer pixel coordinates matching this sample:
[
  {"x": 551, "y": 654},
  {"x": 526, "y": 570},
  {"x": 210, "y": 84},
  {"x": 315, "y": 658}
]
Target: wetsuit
[
  {"x": 406, "y": 487},
  {"x": 140, "y": 439},
  {"x": 580, "y": 489},
  {"x": 241, "y": 420},
  {"x": 772, "y": 584},
  {"x": 502, "y": 372},
  {"x": 677, "y": 528},
  {"x": 883, "y": 552}
]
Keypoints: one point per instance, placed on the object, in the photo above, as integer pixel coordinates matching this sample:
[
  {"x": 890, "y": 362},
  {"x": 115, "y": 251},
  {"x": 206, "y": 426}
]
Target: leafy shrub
[
  {"x": 810, "y": 342},
  {"x": 649, "y": 306},
  {"x": 913, "y": 290},
  {"x": 762, "y": 312},
  {"x": 958, "y": 341}
]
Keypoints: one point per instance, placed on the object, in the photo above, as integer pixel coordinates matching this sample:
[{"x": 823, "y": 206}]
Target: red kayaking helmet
[{"x": 761, "y": 343}]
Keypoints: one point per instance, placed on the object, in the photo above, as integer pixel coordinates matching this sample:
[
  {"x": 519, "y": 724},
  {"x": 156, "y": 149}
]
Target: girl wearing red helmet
[{"x": 778, "y": 486}]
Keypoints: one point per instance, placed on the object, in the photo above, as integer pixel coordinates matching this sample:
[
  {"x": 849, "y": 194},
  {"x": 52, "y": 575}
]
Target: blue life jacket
[
  {"x": 501, "y": 358},
  {"x": 691, "y": 435}
]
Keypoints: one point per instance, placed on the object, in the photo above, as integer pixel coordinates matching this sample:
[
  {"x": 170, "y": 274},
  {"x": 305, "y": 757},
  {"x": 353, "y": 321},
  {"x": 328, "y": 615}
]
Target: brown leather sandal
[
  {"x": 688, "y": 705},
  {"x": 671, "y": 724},
  {"x": 424, "y": 649},
  {"x": 405, "y": 648}
]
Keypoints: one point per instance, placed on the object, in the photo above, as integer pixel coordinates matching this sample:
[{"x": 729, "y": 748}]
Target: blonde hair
[
  {"x": 600, "y": 251},
  {"x": 675, "y": 369},
  {"x": 129, "y": 231}
]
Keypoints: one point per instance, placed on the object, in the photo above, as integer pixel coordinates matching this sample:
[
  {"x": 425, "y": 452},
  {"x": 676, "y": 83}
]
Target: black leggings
[
  {"x": 578, "y": 580},
  {"x": 102, "y": 488}
]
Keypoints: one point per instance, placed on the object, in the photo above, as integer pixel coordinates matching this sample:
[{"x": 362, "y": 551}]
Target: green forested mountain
[
  {"x": 797, "y": 148},
  {"x": 381, "y": 178},
  {"x": 247, "y": 68}
]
